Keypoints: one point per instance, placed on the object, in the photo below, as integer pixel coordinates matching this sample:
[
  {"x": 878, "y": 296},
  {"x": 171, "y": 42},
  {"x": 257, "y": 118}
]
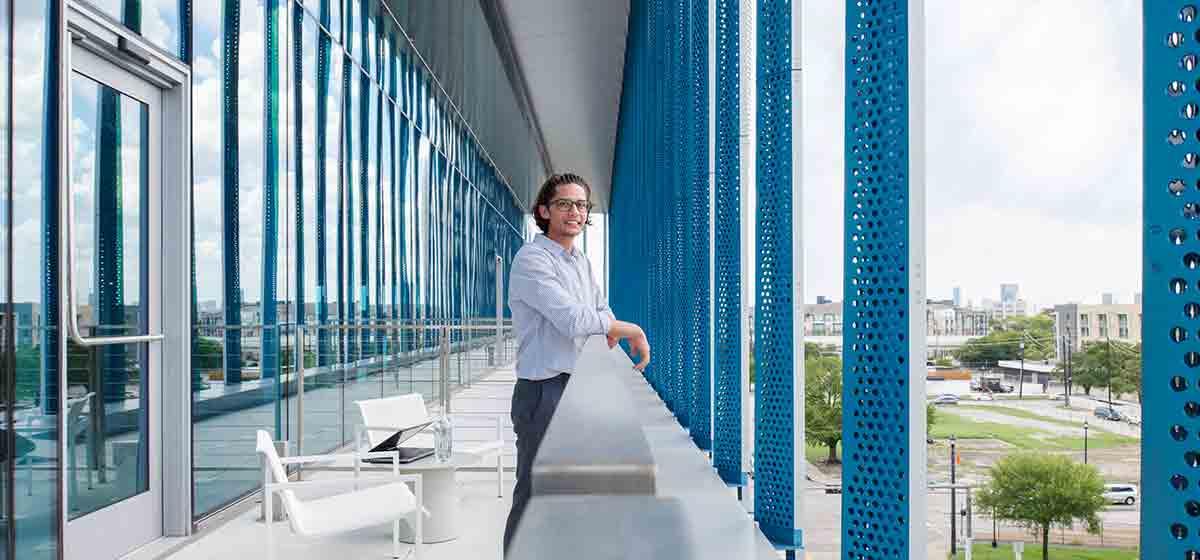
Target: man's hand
[{"x": 640, "y": 347}]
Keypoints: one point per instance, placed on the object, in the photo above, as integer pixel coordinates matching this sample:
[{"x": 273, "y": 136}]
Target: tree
[
  {"x": 1038, "y": 491},
  {"x": 1089, "y": 367},
  {"x": 930, "y": 418},
  {"x": 823, "y": 400},
  {"x": 208, "y": 353},
  {"x": 944, "y": 361},
  {"x": 1128, "y": 376},
  {"x": 1098, "y": 364},
  {"x": 1004, "y": 341}
]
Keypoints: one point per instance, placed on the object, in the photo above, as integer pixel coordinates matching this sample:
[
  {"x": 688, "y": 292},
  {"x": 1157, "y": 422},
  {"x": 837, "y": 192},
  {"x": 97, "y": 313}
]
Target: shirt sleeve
[
  {"x": 601, "y": 301},
  {"x": 534, "y": 282}
]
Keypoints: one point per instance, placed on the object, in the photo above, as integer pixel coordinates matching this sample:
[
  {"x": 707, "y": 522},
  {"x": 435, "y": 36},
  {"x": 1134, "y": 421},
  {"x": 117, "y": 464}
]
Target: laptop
[{"x": 407, "y": 454}]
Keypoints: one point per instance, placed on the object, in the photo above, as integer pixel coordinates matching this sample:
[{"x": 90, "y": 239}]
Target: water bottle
[{"x": 443, "y": 438}]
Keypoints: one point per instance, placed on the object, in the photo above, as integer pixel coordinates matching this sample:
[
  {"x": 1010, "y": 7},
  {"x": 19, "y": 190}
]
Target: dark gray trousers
[{"x": 533, "y": 405}]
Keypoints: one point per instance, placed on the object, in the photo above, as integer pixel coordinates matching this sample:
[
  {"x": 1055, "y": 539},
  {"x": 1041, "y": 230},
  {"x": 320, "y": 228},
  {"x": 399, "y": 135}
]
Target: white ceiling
[{"x": 572, "y": 53}]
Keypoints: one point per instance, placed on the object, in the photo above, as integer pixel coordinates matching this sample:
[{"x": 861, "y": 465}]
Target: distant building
[
  {"x": 957, "y": 297},
  {"x": 822, "y": 300},
  {"x": 1079, "y": 324},
  {"x": 942, "y": 318},
  {"x": 1137, "y": 298},
  {"x": 1010, "y": 304},
  {"x": 1107, "y": 299},
  {"x": 823, "y": 319}
]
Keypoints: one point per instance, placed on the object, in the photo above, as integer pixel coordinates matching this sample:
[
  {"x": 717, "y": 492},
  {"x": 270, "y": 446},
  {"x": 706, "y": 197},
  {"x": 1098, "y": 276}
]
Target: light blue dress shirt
[{"x": 556, "y": 305}]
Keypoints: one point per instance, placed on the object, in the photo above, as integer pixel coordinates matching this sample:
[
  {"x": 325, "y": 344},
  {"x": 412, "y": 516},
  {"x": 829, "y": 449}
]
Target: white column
[
  {"x": 917, "y": 533},
  {"x": 798, "y": 442},
  {"x": 748, "y": 150}
]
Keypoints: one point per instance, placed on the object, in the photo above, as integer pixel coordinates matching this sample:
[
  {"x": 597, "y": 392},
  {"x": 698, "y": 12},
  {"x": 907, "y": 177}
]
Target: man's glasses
[{"x": 564, "y": 205}]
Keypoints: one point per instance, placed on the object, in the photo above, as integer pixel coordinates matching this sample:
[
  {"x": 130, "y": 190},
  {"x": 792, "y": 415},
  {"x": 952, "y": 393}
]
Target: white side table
[{"x": 439, "y": 494}]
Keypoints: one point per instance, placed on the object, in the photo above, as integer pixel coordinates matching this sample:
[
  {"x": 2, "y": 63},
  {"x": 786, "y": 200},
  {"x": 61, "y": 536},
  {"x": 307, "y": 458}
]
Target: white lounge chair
[
  {"x": 384, "y": 417},
  {"x": 388, "y": 500}
]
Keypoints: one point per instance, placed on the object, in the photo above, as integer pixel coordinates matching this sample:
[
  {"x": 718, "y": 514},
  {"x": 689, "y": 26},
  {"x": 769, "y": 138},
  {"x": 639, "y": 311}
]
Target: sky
[{"x": 1033, "y": 126}]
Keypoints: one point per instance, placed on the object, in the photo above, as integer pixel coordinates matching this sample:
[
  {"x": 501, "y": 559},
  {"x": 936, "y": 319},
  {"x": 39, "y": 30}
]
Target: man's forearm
[{"x": 623, "y": 329}]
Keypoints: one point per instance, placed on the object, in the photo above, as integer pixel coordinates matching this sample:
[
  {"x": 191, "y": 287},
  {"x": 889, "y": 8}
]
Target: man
[{"x": 556, "y": 305}]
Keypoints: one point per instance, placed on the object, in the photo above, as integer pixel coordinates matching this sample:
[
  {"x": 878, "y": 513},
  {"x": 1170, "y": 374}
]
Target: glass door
[{"x": 109, "y": 410}]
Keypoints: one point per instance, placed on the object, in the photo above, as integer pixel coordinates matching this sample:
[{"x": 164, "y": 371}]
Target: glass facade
[
  {"x": 352, "y": 197},
  {"x": 353, "y": 186}
]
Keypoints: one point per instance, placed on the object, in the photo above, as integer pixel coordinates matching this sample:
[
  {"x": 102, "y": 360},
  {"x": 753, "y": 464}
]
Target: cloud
[{"x": 1033, "y": 124}]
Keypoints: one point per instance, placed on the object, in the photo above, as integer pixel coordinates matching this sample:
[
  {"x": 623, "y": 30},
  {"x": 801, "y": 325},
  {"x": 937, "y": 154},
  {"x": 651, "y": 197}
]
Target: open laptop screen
[{"x": 393, "y": 441}]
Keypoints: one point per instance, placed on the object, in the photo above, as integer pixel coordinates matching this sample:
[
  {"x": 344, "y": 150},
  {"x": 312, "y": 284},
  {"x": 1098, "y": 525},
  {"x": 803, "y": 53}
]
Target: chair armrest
[
  {"x": 302, "y": 459},
  {"x": 485, "y": 448}
]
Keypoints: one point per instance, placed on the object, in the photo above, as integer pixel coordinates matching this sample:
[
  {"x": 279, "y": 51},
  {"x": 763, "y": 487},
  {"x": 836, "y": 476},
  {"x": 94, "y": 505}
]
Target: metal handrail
[{"x": 66, "y": 267}]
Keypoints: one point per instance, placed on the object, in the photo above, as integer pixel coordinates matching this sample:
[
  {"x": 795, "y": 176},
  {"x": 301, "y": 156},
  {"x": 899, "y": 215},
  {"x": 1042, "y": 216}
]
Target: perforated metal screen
[
  {"x": 728, "y": 385},
  {"x": 1171, "y": 281},
  {"x": 876, "y": 437},
  {"x": 659, "y": 217},
  {"x": 776, "y": 370}
]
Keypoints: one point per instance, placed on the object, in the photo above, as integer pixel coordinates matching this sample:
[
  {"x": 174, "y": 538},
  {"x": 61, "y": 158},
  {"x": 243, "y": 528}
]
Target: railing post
[
  {"x": 498, "y": 355},
  {"x": 444, "y": 367},
  {"x": 298, "y": 371}
]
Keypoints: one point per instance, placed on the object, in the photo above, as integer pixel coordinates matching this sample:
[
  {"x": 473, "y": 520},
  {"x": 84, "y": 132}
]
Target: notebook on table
[{"x": 393, "y": 443}]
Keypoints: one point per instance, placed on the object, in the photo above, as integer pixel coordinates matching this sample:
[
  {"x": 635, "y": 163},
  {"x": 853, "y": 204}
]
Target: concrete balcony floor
[{"x": 684, "y": 473}]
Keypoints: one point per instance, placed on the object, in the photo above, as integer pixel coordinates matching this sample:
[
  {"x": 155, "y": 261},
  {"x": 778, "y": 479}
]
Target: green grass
[
  {"x": 1033, "y": 551},
  {"x": 1022, "y": 413},
  {"x": 1021, "y": 437}
]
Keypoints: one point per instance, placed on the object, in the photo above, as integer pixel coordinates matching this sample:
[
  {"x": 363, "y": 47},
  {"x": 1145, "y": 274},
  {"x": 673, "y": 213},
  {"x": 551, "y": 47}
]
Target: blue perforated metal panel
[
  {"x": 876, "y": 407},
  {"x": 1171, "y": 277},
  {"x": 230, "y": 175},
  {"x": 681, "y": 318},
  {"x": 324, "y": 45},
  {"x": 728, "y": 385},
  {"x": 775, "y": 370},
  {"x": 698, "y": 222},
  {"x": 270, "y": 201},
  {"x": 658, "y": 225}
]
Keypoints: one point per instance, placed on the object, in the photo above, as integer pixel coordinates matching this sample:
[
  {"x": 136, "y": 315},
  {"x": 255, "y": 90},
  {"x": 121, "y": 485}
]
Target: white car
[
  {"x": 1121, "y": 493},
  {"x": 984, "y": 397},
  {"x": 945, "y": 399}
]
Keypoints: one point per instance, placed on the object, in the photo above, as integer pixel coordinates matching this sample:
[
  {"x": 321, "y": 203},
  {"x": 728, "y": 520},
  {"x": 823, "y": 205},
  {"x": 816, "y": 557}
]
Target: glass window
[
  {"x": 34, "y": 303},
  {"x": 158, "y": 22}
]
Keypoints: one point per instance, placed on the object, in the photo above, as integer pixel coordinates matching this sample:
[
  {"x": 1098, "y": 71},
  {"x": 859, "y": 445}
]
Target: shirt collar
[{"x": 548, "y": 243}]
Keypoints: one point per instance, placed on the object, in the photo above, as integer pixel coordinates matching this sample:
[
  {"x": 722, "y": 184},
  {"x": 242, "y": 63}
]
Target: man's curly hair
[{"x": 547, "y": 192}]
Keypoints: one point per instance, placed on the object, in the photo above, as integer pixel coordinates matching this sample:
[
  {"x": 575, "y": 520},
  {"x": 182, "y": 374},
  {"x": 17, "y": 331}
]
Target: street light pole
[
  {"x": 1021, "y": 383},
  {"x": 994, "y": 543},
  {"x": 953, "y": 504},
  {"x": 1085, "y": 430}
]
